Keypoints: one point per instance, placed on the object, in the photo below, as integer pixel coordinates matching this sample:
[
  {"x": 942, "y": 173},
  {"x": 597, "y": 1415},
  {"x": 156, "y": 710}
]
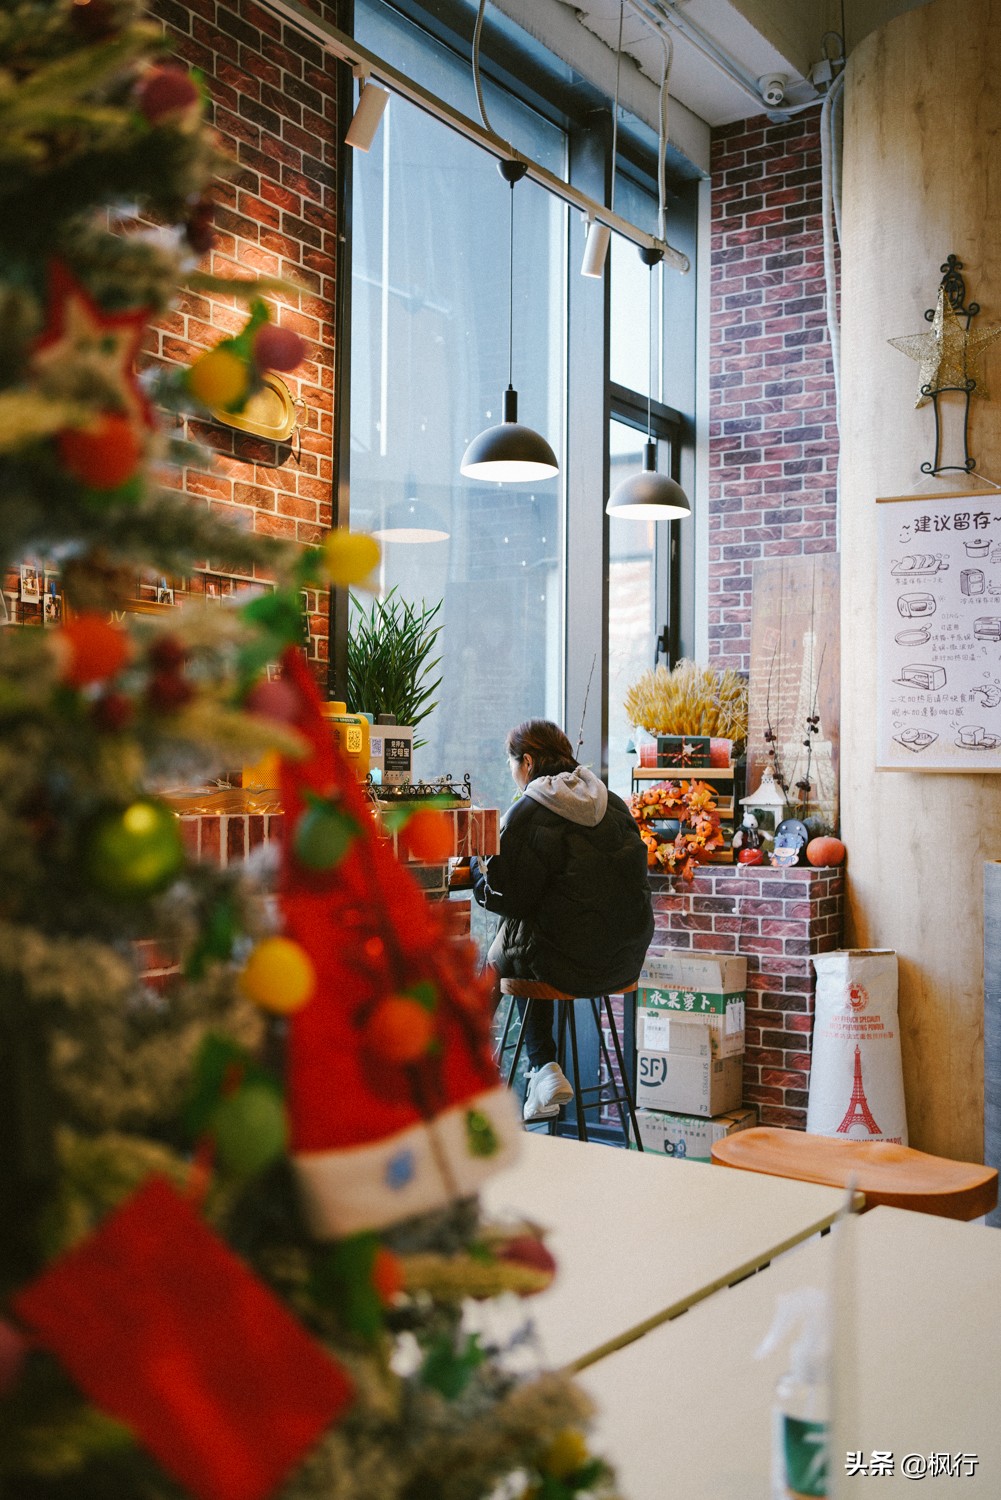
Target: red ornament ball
[
  {"x": 103, "y": 456},
  {"x": 749, "y": 856},
  {"x": 278, "y": 348},
  {"x": 94, "y": 650},
  {"x": 427, "y": 836},
  {"x": 165, "y": 92},
  {"x": 113, "y": 712},
  {"x": 274, "y": 700},
  {"x": 167, "y": 654},
  {"x": 168, "y": 691},
  {"x": 399, "y": 1030}
]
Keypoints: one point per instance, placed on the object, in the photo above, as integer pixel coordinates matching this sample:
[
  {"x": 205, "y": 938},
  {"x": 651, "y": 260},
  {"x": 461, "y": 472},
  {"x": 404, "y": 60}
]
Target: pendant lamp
[
  {"x": 412, "y": 520},
  {"x": 509, "y": 453},
  {"x": 649, "y": 495}
]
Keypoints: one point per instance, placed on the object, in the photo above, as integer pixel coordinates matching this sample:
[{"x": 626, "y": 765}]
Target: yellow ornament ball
[
  {"x": 218, "y": 379},
  {"x": 349, "y": 556},
  {"x": 279, "y": 976},
  {"x": 566, "y": 1454}
]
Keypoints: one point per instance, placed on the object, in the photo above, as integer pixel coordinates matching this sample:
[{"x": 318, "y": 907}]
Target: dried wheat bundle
[{"x": 689, "y": 700}]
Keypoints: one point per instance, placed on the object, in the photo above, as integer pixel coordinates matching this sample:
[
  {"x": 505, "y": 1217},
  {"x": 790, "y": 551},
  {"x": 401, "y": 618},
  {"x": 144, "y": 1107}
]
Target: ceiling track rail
[{"x": 367, "y": 64}]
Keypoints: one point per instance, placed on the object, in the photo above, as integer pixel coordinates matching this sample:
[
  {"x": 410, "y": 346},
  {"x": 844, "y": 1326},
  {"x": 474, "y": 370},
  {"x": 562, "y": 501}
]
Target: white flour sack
[{"x": 856, "y": 1082}]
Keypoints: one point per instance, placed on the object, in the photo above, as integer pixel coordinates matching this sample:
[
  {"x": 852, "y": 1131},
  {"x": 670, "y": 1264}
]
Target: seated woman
[{"x": 570, "y": 881}]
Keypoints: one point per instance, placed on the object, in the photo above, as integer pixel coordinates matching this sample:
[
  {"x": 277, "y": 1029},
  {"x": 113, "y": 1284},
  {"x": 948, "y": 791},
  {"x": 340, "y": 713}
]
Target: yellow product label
[{"x": 354, "y": 739}]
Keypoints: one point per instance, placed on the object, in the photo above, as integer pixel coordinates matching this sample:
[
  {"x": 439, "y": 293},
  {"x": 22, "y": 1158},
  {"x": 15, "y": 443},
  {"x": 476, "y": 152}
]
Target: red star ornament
[{"x": 78, "y": 328}]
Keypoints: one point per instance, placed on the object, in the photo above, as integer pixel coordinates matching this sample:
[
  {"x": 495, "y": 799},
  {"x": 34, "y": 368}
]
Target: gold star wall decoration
[{"x": 949, "y": 353}]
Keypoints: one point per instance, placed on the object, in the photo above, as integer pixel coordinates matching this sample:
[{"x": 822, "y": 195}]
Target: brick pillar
[{"x": 777, "y": 919}]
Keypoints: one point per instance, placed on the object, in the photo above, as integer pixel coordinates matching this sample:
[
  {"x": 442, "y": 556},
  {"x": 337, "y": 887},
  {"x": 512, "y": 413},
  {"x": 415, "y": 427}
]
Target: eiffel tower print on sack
[
  {"x": 856, "y": 1080},
  {"x": 858, "y": 1108}
]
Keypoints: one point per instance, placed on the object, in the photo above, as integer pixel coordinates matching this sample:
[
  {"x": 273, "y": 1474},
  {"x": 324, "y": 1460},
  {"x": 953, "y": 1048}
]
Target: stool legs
[
  {"x": 630, "y": 1102},
  {"x": 578, "y": 1101}
]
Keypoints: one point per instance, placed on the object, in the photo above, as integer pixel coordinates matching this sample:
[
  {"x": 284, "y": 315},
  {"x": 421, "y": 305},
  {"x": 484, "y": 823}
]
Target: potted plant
[{"x": 389, "y": 658}]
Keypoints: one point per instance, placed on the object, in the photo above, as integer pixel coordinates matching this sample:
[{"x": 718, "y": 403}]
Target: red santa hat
[{"x": 377, "y": 1138}]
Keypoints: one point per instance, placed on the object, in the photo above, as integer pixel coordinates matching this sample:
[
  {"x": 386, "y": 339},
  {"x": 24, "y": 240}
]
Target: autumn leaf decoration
[{"x": 690, "y": 803}]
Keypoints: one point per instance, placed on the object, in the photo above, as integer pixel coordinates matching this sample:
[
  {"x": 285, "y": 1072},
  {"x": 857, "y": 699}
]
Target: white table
[
  {"x": 640, "y": 1237},
  {"x": 685, "y": 1411}
]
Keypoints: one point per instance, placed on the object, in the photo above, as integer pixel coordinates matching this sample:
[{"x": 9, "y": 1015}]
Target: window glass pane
[
  {"x": 632, "y": 602},
  {"x": 429, "y": 362},
  {"x": 632, "y": 283}
]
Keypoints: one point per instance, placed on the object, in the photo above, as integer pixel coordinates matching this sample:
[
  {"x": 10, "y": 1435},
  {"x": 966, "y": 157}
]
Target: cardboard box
[
  {"x": 688, "y": 1137},
  {"x": 658, "y": 1026},
  {"x": 691, "y": 1082},
  {"x": 714, "y": 973},
  {"x": 682, "y": 752}
]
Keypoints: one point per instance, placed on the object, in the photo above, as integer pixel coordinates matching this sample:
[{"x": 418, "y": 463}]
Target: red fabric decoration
[
  {"x": 162, "y": 1327},
  {"x": 371, "y": 934}
]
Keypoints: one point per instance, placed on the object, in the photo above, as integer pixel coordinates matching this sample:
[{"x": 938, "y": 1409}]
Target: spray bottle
[{"x": 801, "y": 1411}]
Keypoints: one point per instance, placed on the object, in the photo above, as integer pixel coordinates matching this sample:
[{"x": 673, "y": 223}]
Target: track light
[
  {"x": 648, "y": 496},
  {"x": 372, "y": 101},
  {"x": 510, "y": 453},
  {"x": 595, "y": 249}
]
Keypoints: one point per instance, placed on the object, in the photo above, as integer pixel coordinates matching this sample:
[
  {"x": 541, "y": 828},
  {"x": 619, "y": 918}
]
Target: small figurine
[
  {"x": 747, "y": 841},
  {"x": 791, "y": 839}
]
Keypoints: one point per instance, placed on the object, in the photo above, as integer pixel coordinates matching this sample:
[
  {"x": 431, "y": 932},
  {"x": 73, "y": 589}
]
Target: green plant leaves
[{"x": 389, "y": 658}]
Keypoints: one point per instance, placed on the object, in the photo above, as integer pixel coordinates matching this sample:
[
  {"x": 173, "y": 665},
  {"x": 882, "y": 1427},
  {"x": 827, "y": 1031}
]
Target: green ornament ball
[
  {"x": 322, "y": 836},
  {"x": 134, "y": 851},
  {"x": 249, "y": 1129}
]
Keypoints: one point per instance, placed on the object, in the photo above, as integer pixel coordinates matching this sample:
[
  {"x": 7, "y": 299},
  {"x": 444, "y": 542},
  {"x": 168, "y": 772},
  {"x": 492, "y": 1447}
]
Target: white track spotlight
[
  {"x": 372, "y": 101},
  {"x": 595, "y": 248}
]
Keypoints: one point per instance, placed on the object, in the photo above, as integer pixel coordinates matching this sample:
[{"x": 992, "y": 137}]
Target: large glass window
[{"x": 429, "y": 362}]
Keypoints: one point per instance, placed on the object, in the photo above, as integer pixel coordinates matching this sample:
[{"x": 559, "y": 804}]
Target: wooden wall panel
[{"x": 922, "y": 179}]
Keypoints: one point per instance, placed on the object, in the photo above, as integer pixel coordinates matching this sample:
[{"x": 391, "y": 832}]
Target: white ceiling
[{"x": 695, "y": 80}]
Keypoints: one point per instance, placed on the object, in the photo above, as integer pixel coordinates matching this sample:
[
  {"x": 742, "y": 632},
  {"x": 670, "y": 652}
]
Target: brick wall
[
  {"x": 274, "y": 104},
  {"x": 773, "y": 439},
  {"x": 777, "y": 919}
]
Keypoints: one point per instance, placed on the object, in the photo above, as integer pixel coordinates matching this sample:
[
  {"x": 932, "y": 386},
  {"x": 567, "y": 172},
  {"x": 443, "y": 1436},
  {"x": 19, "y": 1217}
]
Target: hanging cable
[{"x": 510, "y": 292}]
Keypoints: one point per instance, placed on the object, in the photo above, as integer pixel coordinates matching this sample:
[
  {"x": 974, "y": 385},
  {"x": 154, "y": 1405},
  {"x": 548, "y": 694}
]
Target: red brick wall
[
  {"x": 772, "y": 435},
  {"x": 777, "y": 919},
  {"x": 274, "y": 104}
]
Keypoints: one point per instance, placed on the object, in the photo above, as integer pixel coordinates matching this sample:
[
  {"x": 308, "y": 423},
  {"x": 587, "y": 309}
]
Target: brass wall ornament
[
  {"x": 949, "y": 356},
  {"x": 270, "y": 413}
]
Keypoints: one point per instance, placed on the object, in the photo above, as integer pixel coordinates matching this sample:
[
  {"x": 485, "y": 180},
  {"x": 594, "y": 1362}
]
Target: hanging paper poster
[{"x": 939, "y": 633}]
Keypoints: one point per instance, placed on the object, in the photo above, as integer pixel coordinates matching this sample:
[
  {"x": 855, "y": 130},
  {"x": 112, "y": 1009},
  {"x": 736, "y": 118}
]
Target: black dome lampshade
[
  {"x": 510, "y": 452},
  {"x": 648, "y": 495}
]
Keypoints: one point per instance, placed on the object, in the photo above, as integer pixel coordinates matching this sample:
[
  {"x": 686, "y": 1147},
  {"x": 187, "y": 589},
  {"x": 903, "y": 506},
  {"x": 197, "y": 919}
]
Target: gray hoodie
[{"x": 576, "y": 795}]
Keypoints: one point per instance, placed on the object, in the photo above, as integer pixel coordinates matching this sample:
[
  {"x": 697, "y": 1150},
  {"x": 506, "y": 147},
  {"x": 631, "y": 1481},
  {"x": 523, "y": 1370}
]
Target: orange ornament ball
[
  {"x": 427, "y": 836},
  {"x": 387, "y": 1275},
  {"x": 94, "y": 650},
  {"x": 102, "y": 456},
  {"x": 825, "y": 851},
  {"x": 400, "y": 1030}
]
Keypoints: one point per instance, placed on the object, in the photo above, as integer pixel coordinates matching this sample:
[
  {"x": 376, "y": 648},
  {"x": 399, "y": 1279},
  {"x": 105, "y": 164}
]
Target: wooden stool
[
  {"x": 531, "y": 990},
  {"x": 887, "y": 1174}
]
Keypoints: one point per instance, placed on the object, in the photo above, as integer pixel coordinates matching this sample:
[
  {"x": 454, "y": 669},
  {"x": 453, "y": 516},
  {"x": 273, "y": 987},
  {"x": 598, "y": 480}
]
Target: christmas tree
[{"x": 241, "y": 1237}]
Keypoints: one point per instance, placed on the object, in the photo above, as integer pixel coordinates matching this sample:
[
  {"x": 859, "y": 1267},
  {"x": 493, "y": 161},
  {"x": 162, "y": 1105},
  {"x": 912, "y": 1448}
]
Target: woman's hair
[{"x": 546, "y": 743}]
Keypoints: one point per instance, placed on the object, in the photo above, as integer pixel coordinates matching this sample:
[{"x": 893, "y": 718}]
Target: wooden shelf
[{"x": 679, "y": 773}]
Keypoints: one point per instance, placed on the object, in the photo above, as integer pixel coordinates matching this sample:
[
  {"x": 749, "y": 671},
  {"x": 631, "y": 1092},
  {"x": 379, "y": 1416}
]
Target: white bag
[{"x": 856, "y": 1081}]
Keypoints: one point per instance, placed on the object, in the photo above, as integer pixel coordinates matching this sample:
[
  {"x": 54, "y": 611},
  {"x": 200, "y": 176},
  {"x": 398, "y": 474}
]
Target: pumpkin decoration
[{"x": 825, "y": 850}]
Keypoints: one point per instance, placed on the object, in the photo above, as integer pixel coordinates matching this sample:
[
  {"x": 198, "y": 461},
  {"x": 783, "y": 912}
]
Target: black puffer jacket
[{"x": 571, "y": 883}]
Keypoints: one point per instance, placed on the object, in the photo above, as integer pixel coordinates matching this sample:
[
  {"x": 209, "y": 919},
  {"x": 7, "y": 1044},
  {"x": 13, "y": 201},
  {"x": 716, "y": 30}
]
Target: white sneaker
[{"x": 548, "y": 1090}]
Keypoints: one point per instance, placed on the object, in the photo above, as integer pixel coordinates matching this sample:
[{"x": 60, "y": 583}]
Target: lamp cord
[{"x": 510, "y": 294}]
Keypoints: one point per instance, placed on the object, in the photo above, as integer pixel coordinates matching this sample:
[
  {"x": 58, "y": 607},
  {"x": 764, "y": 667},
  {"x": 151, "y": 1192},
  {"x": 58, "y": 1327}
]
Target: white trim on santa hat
[{"x": 415, "y": 1172}]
